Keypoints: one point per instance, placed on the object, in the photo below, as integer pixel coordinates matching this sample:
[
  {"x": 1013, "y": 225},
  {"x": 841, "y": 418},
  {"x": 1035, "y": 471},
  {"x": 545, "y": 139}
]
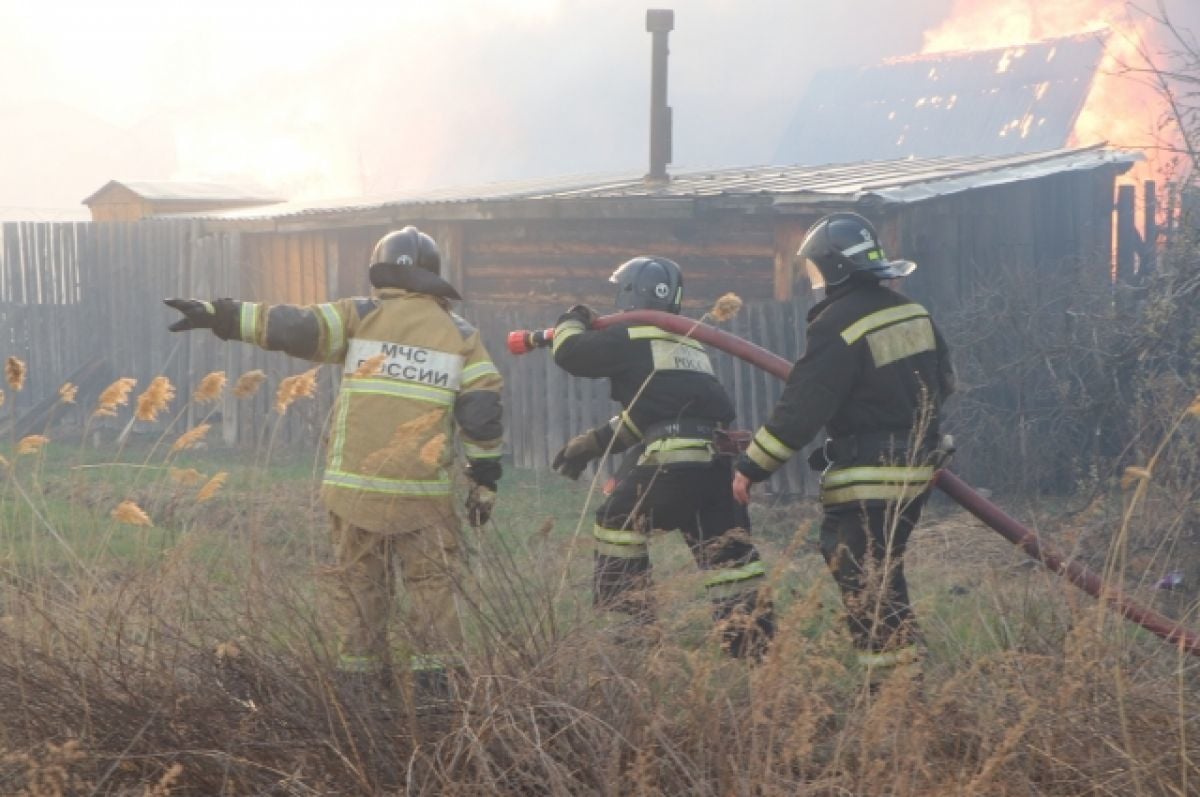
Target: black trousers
[
  {"x": 696, "y": 499},
  {"x": 863, "y": 545}
]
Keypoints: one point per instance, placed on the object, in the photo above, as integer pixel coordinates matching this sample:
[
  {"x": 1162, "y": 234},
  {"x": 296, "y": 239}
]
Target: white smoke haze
[{"x": 324, "y": 100}]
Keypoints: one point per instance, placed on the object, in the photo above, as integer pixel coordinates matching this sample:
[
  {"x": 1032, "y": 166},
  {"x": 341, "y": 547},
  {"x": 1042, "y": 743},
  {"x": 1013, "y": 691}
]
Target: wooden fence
[{"x": 85, "y": 300}]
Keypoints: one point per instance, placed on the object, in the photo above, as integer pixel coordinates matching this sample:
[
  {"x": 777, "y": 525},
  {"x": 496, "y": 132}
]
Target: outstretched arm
[{"x": 316, "y": 332}]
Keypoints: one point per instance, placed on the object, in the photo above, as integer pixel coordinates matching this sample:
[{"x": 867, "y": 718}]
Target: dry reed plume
[
  {"x": 14, "y": 372},
  {"x": 155, "y": 399},
  {"x": 131, "y": 514},
  {"x": 431, "y": 452},
  {"x": 370, "y": 366},
  {"x": 1132, "y": 476},
  {"x": 191, "y": 437},
  {"x": 31, "y": 444},
  {"x": 67, "y": 393},
  {"x": 211, "y": 487},
  {"x": 249, "y": 383},
  {"x": 185, "y": 476},
  {"x": 406, "y": 441},
  {"x": 113, "y": 396},
  {"x": 295, "y": 387},
  {"x": 2, "y": 397},
  {"x": 210, "y": 388},
  {"x": 726, "y": 307}
]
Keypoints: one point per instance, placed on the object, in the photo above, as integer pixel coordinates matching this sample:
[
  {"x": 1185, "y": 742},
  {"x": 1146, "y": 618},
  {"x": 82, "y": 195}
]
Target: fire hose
[{"x": 523, "y": 341}]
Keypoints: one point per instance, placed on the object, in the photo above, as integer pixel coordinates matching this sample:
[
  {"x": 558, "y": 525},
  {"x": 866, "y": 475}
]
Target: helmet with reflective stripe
[
  {"x": 842, "y": 244},
  {"x": 408, "y": 247},
  {"x": 649, "y": 283}
]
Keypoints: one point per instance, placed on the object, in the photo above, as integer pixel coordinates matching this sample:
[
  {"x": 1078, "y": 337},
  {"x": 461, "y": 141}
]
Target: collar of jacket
[
  {"x": 856, "y": 281},
  {"x": 412, "y": 279},
  {"x": 383, "y": 294}
]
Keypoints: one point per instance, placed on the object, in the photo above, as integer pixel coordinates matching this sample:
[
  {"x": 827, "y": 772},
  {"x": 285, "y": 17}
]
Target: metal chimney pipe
[{"x": 660, "y": 23}]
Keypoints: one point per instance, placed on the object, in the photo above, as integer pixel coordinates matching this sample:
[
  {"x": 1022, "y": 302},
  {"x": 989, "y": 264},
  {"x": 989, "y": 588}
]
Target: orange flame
[{"x": 1121, "y": 108}]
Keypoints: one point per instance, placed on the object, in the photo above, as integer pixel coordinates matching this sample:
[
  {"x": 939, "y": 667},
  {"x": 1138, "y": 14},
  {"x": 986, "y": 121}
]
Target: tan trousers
[{"x": 363, "y": 594}]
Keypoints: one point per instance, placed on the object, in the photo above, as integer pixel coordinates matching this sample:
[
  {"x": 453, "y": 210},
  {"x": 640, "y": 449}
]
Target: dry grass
[{"x": 195, "y": 659}]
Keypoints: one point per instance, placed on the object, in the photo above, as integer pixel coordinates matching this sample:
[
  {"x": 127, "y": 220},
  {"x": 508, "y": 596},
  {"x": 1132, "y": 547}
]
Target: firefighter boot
[
  {"x": 745, "y": 625},
  {"x": 900, "y": 666}
]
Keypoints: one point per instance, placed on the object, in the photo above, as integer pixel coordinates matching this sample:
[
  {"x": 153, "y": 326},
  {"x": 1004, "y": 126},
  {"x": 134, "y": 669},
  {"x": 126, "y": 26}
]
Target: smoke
[{"x": 324, "y": 100}]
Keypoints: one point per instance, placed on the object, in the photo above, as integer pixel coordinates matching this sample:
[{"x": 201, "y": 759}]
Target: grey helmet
[
  {"x": 842, "y": 244},
  {"x": 649, "y": 283}
]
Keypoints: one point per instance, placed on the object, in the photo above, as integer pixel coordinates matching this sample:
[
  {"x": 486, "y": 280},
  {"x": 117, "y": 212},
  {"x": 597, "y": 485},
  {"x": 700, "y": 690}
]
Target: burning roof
[{"x": 985, "y": 102}]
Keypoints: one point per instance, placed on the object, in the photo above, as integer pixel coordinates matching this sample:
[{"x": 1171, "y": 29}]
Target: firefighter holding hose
[
  {"x": 673, "y": 423},
  {"x": 416, "y": 376},
  {"x": 874, "y": 374}
]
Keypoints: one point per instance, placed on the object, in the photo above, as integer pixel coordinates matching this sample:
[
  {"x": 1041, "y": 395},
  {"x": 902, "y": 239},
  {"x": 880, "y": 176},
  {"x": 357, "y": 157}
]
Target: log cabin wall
[
  {"x": 519, "y": 262},
  {"x": 524, "y": 274}
]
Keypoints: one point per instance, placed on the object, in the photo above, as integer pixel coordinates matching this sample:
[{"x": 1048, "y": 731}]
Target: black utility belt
[{"x": 684, "y": 427}]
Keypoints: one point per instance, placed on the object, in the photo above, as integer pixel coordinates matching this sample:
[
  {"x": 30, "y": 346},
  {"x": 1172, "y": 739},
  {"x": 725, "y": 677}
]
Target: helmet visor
[
  {"x": 894, "y": 269},
  {"x": 815, "y": 278}
]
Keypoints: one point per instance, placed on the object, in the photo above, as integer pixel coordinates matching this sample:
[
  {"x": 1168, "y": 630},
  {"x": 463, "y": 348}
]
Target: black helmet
[
  {"x": 841, "y": 244},
  {"x": 649, "y": 283},
  {"x": 408, "y": 247}
]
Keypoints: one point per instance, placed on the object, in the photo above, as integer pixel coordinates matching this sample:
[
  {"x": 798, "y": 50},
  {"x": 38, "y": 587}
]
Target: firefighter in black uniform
[
  {"x": 674, "y": 415},
  {"x": 874, "y": 373}
]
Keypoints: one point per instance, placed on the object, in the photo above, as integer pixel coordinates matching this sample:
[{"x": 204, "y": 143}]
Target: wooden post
[
  {"x": 789, "y": 233},
  {"x": 451, "y": 242},
  {"x": 1128, "y": 240},
  {"x": 1149, "y": 253}
]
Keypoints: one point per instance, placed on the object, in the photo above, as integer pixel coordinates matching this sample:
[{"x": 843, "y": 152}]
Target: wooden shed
[
  {"x": 521, "y": 252},
  {"x": 72, "y": 295},
  {"x": 135, "y": 200},
  {"x": 550, "y": 241}
]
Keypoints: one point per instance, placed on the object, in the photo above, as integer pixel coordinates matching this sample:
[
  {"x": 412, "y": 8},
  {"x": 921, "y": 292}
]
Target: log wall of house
[
  {"x": 571, "y": 260},
  {"x": 70, "y": 294}
]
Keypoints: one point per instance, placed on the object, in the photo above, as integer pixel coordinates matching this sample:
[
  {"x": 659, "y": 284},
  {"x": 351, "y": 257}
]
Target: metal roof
[
  {"x": 19, "y": 214},
  {"x": 898, "y": 181},
  {"x": 165, "y": 191},
  {"x": 984, "y": 102}
]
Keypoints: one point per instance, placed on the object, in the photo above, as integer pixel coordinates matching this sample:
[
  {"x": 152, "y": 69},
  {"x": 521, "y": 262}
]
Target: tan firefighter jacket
[{"x": 415, "y": 379}]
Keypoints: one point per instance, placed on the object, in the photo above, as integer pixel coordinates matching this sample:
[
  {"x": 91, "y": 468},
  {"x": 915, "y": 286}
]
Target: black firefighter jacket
[
  {"x": 874, "y": 373},
  {"x": 658, "y": 378}
]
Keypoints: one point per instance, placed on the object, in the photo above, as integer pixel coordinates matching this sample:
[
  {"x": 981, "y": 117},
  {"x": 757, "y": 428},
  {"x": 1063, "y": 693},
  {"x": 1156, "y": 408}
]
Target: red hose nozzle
[{"x": 523, "y": 341}]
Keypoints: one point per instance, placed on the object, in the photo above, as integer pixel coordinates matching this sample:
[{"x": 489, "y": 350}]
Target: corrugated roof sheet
[
  {"x": 168, "y": 191},
  {"x": 988, "y": 102},
  {"x": 897, "y": 181}
]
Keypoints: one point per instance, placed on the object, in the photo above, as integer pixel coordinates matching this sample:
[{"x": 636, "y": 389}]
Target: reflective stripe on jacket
[
  {"x": 416, "y": 377},
  {"x": 874, "y": 363}
]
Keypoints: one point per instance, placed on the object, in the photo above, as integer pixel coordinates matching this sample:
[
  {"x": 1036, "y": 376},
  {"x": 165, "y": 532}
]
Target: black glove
[
  {"x": 940, "y": 457},
  {"x": 584, "y": 313},
  {"x": 577, "y": 453},
  {"x": 480, "y": 502},
  {"x": 196, "y": 314}
]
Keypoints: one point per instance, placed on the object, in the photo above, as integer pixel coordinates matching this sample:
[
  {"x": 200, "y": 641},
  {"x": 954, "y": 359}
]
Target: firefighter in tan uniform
[{"x": 415, "y": 377}]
